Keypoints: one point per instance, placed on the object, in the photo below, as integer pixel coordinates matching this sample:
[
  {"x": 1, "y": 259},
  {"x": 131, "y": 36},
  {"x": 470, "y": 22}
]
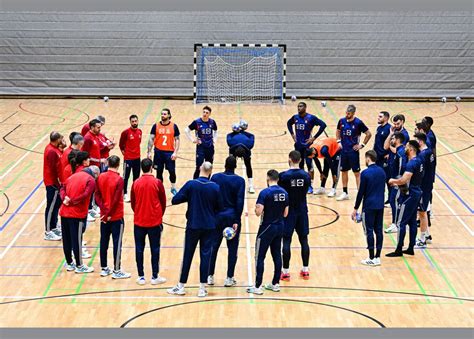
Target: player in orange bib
[
  {"x": 164, "y": 137},
  {"x": 330, "y": 150}
]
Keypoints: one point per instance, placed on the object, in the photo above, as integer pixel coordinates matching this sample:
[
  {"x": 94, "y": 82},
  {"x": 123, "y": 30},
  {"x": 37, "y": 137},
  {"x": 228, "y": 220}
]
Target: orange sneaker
[
  {"x": 304, "y": 275},
  {"x": 285, "y": 277}
]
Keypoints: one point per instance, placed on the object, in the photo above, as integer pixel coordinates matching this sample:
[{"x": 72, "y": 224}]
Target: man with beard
[
  {"x": 164, "y": 135},
  {"x": 129, "y": 144}
]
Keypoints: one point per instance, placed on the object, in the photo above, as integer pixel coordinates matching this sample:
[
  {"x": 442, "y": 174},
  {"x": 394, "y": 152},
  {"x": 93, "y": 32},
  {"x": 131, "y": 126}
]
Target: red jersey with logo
[
  {"x": 148, "y": 200},
  {"x": 51, "y": 165},
  {"x": 109, "y": 195},
  {"x": 92, "y": 145},
  {"x": 129, "y": 144}
]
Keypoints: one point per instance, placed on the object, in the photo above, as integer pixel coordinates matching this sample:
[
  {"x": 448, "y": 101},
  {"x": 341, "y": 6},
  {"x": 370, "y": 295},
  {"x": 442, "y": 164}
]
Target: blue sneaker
[
  {"x": 310, "y": 190},
  {"x": 174, "y": 191}
]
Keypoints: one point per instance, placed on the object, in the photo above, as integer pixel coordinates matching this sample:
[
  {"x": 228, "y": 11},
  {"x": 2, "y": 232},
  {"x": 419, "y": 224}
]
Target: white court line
[
  {"x": 471, "y": 232},
  {"x": 22, "y": 229},
  {"x": 457, "y": 156},
  {"x": 247, "y": 236},
  {"x": 268, "y": 295},
  {"x": 23, "y": 157}
]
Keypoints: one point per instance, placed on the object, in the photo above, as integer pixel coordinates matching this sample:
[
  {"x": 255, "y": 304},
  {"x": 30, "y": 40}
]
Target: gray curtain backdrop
[{"x": 330, "y": 54}]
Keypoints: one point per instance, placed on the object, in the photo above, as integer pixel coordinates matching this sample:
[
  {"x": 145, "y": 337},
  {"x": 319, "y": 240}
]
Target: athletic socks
[
  {"x": 202, "y": 286},
  {"x": 250, "y": 181},
  {"x": 285, "y": 270},
  {"x": 344, "y": 189},
  {"x": 180, "y": 285},
  {"x": 305, "y": 269}
]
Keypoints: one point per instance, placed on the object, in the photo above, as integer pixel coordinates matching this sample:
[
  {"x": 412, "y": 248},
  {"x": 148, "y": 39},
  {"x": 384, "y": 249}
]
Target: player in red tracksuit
[
  {"x": 109, "y": 197},
  {"x": 148, "y": 200},
  {"x": 92, "y": 143},
  {"x": 77, "y": 141},
  {"x": 75, "y": 194},
  {"x": 51, "y": 179},
  {"x": 129, "y": 144}
]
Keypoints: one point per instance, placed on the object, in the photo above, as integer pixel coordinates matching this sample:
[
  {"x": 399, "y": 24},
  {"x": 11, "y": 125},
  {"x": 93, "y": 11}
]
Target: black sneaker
[
  {"x": 395, "y": 254},
  {"x": 429, "y": 239}
]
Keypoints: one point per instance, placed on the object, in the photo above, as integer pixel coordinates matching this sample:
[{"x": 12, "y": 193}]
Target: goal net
[{"x": 239, "y": 73}]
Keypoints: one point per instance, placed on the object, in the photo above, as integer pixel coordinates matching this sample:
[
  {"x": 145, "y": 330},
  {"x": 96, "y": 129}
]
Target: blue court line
[
  {"x": 455, "y": 194},
  {"x": 5, "y": 224},
  {"x": 428, "y": 258}
]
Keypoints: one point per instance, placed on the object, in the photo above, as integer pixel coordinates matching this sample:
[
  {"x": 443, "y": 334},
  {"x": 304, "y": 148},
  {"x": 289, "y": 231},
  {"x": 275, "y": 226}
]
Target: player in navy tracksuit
[
  {"x": 428, "y": 159},
  {"x": 371, "y": 191},
  {"x": 205, "y": 137},
  {"x": 232, "y": 190},
  {"x": 348, "y": 131},
  {"x": 397, "y": 168},
  {"x": 304, "y": 124},
  {"x": 204, "y": 203},
  {"x": 295, "y": 181},
  {"x": 240, "y": 144},
  {"x": 272, "y": 207},
  {"x": 383, "y": 131},
  {"x": 409, "y": 201}
]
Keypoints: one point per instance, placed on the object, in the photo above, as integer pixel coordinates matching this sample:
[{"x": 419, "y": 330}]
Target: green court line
[
  {"x": 78, "y": 289},
  {"x": 53, "y": 278},
  {"x": 19, "y": 175},
  {"x": 445, "y": 278},
  {"x": 6, "y": 168},
  {"x": 460, "y": 172},
  {"x": 412, "y": 272},
  {"x": 320, "y": 115}
]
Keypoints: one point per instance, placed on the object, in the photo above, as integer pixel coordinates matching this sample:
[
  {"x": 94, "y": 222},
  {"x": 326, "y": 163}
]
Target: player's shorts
[
  {"x": 204, "y": 154},
  {"x": 350, "y": 160},
  {"x": 296, "y": 221},
  {"x": 304, "y": 156},
  {"x": 425, "y": 200},
  {"x": 163, "y": 158}
]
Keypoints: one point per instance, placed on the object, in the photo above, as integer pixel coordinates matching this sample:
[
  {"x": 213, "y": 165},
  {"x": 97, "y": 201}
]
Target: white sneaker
[
  {"x": 271, "y": 287},
  {"x": 158, "y": 280},
  {"x": 126, "y": 198},
  {"x": 254, "y": 290},
  {"x": 51, "y": 236},
  {"x": 84, "y": 243},
  {"x": 343, "y": 196},
  {"x": 90, "y": 217},
  {"x": 58, "y": 231},
  {"x": 229, "y": 282},
  {"x": 391, "y": 229},
  {"x": 85, "y": 254},
  {"x": 202, "y": 293},
  {"x": 319, "y": 191},
  {"x": 332, "y": 193},
  {"x": 120, "y": 275},
  {"x": 210, "y": 280},
  {"x": 70, "y": 267},
  {"x": 84, "y": 269},
  {"x": 141, "y": 281},
  {"x": 368, "y": 262},
  {"x": 251, "y": 190},
  {"x": 377, "y": 261},
  {"x": 176, "y": 290},
  {"x": 105, "y": 271}
]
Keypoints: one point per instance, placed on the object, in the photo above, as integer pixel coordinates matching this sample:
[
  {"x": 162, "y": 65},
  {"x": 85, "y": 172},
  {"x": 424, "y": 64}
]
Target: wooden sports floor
[{"x": 432, "y": 289}]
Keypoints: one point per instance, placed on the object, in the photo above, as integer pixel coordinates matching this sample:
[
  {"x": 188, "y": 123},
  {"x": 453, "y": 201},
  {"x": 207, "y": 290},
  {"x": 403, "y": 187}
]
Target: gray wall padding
[{"x": 330, "y": 54}]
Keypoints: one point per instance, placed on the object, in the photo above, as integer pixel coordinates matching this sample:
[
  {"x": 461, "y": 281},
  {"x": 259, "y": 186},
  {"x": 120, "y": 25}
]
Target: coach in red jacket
[
  {"x": 92, "y": 143},
  {"x": 148, "y": 204},
  {"x": 51, "y": 176},
  {"x": 76, "y": 193},
  {"x": 129, "y": 144},
  {"x": 109, "y": 197}
]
